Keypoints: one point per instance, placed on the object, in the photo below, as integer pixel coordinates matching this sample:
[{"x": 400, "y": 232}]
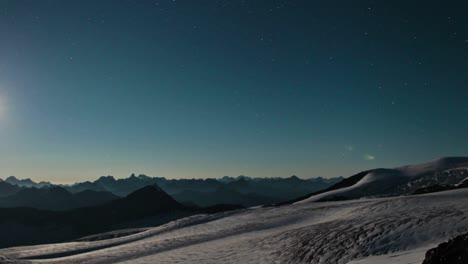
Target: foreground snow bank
[{"x": 363, "y": 231}]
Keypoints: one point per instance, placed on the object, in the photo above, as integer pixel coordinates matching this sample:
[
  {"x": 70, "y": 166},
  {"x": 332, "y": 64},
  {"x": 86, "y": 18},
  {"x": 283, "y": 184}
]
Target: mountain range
[
  {"x": 148, "y": 206},
  {"x": 242, "y": 190},
  {"x": 62, "y": 213},
  {"x": 26, "y": 182},
  {"x": 370, "y": 217}
]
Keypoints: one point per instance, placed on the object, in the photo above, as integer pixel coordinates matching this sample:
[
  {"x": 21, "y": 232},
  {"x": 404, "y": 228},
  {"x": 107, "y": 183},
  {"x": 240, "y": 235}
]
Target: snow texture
[{"x": 384, "y": 230}]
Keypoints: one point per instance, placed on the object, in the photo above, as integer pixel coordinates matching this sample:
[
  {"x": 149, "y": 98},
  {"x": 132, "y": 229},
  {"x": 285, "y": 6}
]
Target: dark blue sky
[{"x": 213, "y": 88}]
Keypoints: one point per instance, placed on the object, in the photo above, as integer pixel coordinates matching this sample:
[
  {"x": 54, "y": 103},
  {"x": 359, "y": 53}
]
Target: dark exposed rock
[{"x": 455, "y": 251}]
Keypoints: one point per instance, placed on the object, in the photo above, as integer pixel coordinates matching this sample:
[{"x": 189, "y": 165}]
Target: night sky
[{"x": 213, "y": 88}]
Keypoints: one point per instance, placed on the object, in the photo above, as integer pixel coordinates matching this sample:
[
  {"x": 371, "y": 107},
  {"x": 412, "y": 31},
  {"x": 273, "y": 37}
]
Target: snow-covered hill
[
  {"x": 399, "y": 181},
  {"x": 397, "y": 230}
]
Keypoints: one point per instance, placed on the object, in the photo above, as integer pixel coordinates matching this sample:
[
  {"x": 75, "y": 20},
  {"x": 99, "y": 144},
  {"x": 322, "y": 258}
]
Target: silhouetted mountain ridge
[
  {"x": 205, "y": 192},
  {"x": 148, "y": 206},
  {"x": 55, "y": 198},
  {"x": 27, "y": 182},
  {"x": 243, "y": 190}
]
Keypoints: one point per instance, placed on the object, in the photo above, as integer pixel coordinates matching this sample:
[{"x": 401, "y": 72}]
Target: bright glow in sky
[{"x": 260, "y": 88}]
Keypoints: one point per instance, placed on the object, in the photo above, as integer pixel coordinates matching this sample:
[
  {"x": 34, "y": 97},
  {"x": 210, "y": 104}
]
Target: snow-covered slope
[
  {"x": 400, "y": 181},
  {"x": 329, "y": 232},
  {"x": 435, "y": 165}
]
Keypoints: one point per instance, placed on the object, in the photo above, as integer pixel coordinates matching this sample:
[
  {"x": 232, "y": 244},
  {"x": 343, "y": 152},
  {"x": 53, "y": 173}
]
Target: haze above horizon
[{"x": 177, "y": 89}]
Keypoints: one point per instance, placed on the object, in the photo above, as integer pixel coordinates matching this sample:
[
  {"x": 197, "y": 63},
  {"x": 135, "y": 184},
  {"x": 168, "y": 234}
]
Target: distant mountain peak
[
  {"x": 106, "y": 178},
  {"x": 10, "y": 178},
  {"x": 151, "y": 194},
  {"x": 243, "y": 177},
  {"x": 25, "y": 182},
  {"x": 143, "y": 177},
  {"x": 294, "y": 177}
]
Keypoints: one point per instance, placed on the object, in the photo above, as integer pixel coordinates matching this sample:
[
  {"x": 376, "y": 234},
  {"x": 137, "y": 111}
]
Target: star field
[{"x": 214, "y": 88}]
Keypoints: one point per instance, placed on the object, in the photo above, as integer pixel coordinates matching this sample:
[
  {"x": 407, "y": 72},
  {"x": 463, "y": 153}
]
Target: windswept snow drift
[{"x": 329, "y": 232}]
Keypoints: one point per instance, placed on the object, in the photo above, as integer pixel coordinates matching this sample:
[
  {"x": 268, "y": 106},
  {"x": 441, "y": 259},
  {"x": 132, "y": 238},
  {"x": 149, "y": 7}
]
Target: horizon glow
[{"x": 264, "y": 89}]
